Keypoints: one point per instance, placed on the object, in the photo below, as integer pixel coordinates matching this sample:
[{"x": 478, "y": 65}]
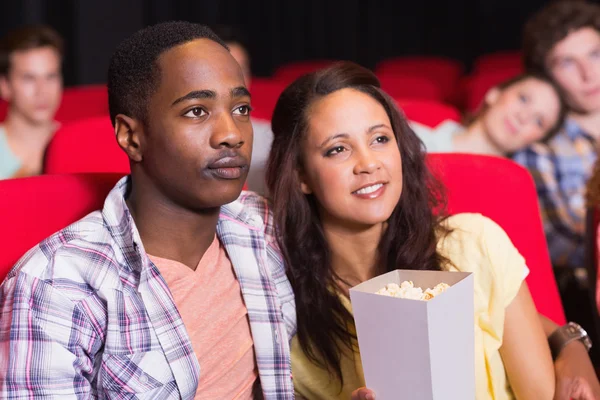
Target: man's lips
[{"x": 228, "y": 167}]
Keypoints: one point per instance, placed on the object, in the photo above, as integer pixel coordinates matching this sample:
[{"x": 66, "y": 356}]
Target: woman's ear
[
  {"x": 492, "y": 96},
  {"x": 129, "y": 136},
  {"x": 303, "y": 182}
]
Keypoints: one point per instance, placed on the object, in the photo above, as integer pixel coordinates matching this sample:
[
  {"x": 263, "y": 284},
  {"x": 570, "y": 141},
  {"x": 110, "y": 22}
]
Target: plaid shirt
[
  {"x": 85, "y": 314},
  {"x": 561, "y": 168}
]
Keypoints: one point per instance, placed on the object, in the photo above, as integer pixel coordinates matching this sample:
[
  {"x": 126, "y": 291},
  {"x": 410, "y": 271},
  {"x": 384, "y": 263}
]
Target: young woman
[
  {"x": 514, "y": 114},
  {"x": 352, "y": 199}
]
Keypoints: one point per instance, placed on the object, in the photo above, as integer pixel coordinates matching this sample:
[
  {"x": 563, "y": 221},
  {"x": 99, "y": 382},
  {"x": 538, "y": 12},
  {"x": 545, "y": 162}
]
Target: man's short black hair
[{"x": 133, "y": 73}]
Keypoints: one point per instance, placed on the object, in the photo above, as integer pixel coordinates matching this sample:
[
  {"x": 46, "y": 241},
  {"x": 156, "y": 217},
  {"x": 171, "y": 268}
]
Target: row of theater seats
[
  {"x": 33, "y": 208},
  {"x": 418, "y": 78},
  {"x": 431, "y": 78}
]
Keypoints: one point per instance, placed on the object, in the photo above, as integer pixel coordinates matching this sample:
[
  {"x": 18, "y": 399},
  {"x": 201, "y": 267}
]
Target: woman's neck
[
  {"x": 354, "y": 253},
  {"x": 474, "y": 139}
]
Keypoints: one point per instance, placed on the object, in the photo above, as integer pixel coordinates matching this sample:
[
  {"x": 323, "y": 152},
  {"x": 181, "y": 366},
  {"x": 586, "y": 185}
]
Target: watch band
[{"x": 565, "y": 335}]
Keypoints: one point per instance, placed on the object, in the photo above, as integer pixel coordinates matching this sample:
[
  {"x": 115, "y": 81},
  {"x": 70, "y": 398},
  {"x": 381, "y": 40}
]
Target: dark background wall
[{"x": 278, "y": 31}]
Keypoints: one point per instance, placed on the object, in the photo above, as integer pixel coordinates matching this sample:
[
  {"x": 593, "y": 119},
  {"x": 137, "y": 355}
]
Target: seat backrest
[
  {"x": 85, "y": 146},
  {"x": 499, "y": 60},
  {"x": 77, "y": 102},
  {"x": 265, "y": 93},
  {"x": 444, "y": 72},
  {"x": 289, "y": 72},
  {"x": 83, "y": 102},
  {"x": 410, "y": 87},
  {"x": 503, "y": 191},
  {"x": 426, "y": 112},
  {"x": 32, "y": 209}
]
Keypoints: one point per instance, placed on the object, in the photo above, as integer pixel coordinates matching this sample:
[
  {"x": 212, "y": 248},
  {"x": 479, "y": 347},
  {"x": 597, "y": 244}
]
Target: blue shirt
[
  {"x": 561, "y": 169},
  {"x": 9, "y": 163}
]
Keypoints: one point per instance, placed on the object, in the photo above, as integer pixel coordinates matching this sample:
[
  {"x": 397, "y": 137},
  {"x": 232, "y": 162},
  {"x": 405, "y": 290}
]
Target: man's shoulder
[{"x": 82, "y": 255}]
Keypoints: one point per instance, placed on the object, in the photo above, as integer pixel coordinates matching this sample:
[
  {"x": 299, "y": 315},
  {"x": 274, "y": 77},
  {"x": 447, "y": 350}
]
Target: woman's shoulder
[
  {"x": 471, "y": 224},
  {"x": 472, "y": 237}
]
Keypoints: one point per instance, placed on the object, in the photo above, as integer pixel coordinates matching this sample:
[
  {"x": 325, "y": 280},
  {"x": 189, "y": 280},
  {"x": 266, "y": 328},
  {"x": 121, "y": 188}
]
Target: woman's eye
[
  {"x": 334, "y": 151},
  {"x": 195, "y": 113},
  {"x": 523, "y": 98},
  {"x": 382, "y": 139},
  {"x": 243, "y": 110},
  {"x": 539, "y": 122}
]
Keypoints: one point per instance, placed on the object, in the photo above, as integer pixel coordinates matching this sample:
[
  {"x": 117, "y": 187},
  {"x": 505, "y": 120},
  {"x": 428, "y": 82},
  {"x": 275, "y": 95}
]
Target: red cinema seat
[
  {"x": 430, "y": 113},
  {"x": 503, "y": 191},
  {"x": 444, "y": 72},
  {"x": 289, "y": 72},
  {"x": 498, "y": 61},
  {"x": 265, "y": 93},
  {"x": 410, "y": 87},
  {"x": 33, "y": 208},
  {"x": 86, "y": 146}
]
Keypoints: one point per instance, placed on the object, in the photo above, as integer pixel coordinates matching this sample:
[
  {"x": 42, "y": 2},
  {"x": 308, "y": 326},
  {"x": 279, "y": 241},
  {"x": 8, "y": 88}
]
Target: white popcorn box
[{"x": 416, "y": 349}]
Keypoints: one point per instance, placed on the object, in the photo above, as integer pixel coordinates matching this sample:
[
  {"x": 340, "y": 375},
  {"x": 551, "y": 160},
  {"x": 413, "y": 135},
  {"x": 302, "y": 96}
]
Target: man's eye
[{"x": 195, "y": 113}]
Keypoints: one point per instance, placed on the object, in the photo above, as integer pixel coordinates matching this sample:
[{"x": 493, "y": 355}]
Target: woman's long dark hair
[{"x": 409, "y": 241}]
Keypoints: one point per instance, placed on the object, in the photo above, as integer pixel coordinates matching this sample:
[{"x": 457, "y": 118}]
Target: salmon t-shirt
[{"x": 210, "y": 303}]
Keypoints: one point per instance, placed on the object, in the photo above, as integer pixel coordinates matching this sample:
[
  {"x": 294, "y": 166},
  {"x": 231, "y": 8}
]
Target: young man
[
  {"x": 174, "y": 289},
  {"x": 562, "y": 41},
  {"x": 31, "y": 82},
  {"x": 263, "y": 137}
]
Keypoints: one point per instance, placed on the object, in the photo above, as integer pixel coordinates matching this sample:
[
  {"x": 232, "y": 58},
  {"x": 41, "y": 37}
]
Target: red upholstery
[
  {"x": 410, "y": 87},
  {"x": 504, "y": 191},
  {"x": 3, "y": 109},
  {"x": 32, "y": 209},
  {"x": 498, "y": 61},
  {"x": 430, "y": 113},
  {"x": 77, "y": 103},
  {"x": 289, "y": 72},
  {"x": 86, "y": 146},
  {"x": 478, "y": 85},
  {"x": 265, "y": 93},
  {"x": 444, "y": 72}
]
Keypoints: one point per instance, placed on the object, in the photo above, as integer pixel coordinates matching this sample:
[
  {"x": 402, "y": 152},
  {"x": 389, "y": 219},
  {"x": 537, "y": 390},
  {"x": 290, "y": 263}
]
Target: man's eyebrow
[
  {"x": 239, "y": 91},
  {"x": 196, "y": 94}
]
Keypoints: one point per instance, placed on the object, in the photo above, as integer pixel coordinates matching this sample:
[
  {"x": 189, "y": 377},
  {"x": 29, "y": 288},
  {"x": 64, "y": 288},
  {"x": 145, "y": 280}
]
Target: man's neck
[
  {"x": 588, "y": 122},
  {"x": 474, "y": 139},
  {"x": 170, "y": 231},
  {"x": 21, "y": 130},
  {"x": 354, "y": 253}
]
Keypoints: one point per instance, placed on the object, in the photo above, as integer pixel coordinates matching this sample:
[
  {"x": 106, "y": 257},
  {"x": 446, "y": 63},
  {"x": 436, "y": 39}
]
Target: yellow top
[{"x": 478, "y": 245}]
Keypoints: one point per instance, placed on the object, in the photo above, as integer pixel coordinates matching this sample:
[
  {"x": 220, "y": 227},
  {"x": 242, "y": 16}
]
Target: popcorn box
[{"x": 415, "y": 349}]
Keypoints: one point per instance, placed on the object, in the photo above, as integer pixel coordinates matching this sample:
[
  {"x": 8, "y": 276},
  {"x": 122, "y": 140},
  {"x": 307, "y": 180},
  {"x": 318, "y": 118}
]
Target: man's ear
[
  {"x": 5, "y": 92},
  {"x": 129, "y": 134}
]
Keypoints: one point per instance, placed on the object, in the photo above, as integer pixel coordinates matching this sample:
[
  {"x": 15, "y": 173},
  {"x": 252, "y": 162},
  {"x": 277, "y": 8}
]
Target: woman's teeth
[{"x": 369, "y": 189}]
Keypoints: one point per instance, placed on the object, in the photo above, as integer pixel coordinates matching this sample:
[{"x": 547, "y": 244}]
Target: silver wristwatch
[{"x": 565, "y": 335}]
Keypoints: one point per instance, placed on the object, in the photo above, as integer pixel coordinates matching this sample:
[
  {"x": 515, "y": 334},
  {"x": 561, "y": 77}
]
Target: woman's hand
[{"x": 363, "y": 394}]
